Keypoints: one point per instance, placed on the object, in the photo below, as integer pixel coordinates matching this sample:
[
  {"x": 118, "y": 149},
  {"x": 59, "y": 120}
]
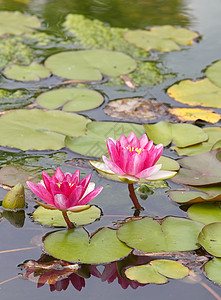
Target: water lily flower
[
  {"x": 65, "y": 191},
  {"x": 133, "y": 159}
]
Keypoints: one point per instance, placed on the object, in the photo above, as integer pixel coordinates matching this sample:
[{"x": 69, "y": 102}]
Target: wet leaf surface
[
  {"x": 213, "y": 73},
  {"x": 210, "y": 238},
  {"x": 212, "y": 269},
  {"x": 74, "y": 245},
  {"x": 205, "y": 213}
]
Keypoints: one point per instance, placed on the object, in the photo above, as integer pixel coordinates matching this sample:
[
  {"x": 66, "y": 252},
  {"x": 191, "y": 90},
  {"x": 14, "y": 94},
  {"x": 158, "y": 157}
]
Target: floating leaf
[
  {"x": 201, "y": 169},
  {"x": 210, "y": 238},
  {"x": 94, "y": 143},
  {"x": 157, "y": 271},
  {"x": 214, "y": 134},
  {"x": 163, "y": 38},
  {"x": 71, "y": 99},
  {"x": 33, "y": 72},
  {"x": 212, "y": 269},
  {"x": 55, "y": 218},
  {"x": 38, "y": 129},
  {"x": 15, "y": 198},
  {"x": 213, "y": 73},
  {"x": 193, "y": 114},
  {"x": 89, "y": 65},
  {"x": 135, "y": 108},
  {"x": 201, "y": 92},
  {"x": 175, "y": 234},
  {"x": 211, "y": 193},
  {"x": 17, "y": 23},
  {"x": 182, "y": 135},
  {"x": 75, "y": 245},
  {"x": 205, "y": 213}
]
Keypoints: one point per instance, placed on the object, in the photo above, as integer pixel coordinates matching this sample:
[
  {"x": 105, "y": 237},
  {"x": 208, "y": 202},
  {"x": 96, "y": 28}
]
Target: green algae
[{"x": 14, "y": 99}]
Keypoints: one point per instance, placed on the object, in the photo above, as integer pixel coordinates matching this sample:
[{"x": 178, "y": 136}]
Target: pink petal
[
  {"x": 61, "y": 201},
  {"x": 55, "y": 189},
  {"x": 123, "y": 141},
  {"x": 90, "y": 196},
  {"x": 113, "y": 166},
  {"x": 149, "y": 171},
  {"x": 125, "y": 156},
  {"x": 114, "y": 156},
  {"x": 84, "y": 182},
  {"x": 133, "y": 140},
  {"x": 75, "y": 177},
  {"x": 47, "y": 180},
  {"x": 41, "y": 192},
  {"x": 149, "y": 145},
  {"x": 65, "y": 189},
  {"x": 133, "y": 164},
  {"x": 159, "y": 150},
  {"x": 75, "y": 196},
  {"x": 143, "y": 140},
  {"x": 59, "y": 174},
  {"x": 161, "y": 175}
]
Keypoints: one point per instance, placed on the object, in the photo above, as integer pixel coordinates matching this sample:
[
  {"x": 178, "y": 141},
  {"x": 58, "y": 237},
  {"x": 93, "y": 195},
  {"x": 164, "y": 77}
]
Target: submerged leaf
[
  {"x": 201, "y": 92},
  {"x": 74, "y": 245}
]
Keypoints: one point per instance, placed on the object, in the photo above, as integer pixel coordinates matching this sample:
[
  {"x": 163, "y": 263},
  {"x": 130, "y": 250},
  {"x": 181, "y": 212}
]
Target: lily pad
[
  {"x": 71, "y": 99},
  {"x": 193, "y": 114},
  {"x": 163, "y": 38},
  {"x": 201, "y": 169},
  {"x": 55, "y": 218},
  {"x": 89, "y": 65},
  {"x": 94, "y": 143},
  {"x": 202, "y": 92},
  {"x": 182, "y": 135},
  {"x": 212, "y": 269},
  {"x": 38, "y": 129},
  {"x": 210, "y": 238},
  {"x": 208, "y": 194},
  {"x": 33, "y": 72},
  {"x": 17, "y": 23},
  {"x": 214, "y": 136},
  {"x": 205, "y": 213},
  {"x": 169, "y": 235},
  {"x": 75, "y": 245},
  {"x": 213, "y": 73},
  {"x": 157, "y": 271}
]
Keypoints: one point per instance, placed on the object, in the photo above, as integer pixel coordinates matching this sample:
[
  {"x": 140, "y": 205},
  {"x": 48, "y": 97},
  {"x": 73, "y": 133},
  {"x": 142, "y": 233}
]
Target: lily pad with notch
[
  {"x": 75, "y": 245},
  {"x": 210, "y": 238}
]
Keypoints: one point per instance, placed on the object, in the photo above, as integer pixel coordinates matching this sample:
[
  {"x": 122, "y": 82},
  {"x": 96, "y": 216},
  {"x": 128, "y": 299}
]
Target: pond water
[{"x": 22, "y": 242}]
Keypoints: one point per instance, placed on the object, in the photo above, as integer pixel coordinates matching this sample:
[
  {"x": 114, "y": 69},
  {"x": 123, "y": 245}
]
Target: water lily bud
[{"x": 15, "y": 198}]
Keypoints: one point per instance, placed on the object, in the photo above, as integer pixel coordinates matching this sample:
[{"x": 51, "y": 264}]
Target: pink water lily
[
  {"x": 65, "y": 191},
  {"x": 133, "y": 159}
]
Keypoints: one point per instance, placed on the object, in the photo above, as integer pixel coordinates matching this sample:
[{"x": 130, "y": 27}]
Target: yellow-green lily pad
[
  {"x": 201, "y": 92},
  {"x": 17, "y": 23},
  {"x": 212, "y": 269},
  {"x": 163, "y": 38},
  {"x": 33, "y": 72},
  {"x": 213, "y": 73},
  {"x": 75, "y": 245},
  {"x": 89, "y": 65},
  {"x": 210, "y": 238},
  {"x": 71, "y": 99},
  {"x": 182, "y": 135},
  {"x": 38, "y": 129},
  {"x": 157, "y": 271},
  {"x": 205, "y": 213},
  {"x": 54, "y": 217}
]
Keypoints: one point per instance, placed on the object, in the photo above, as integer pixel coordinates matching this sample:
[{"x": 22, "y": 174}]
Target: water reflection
[{"x": 59, "y": 274}]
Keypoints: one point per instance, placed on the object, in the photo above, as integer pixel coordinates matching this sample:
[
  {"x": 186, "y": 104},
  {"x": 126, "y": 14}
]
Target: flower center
[{"x": 131, "y": 149}]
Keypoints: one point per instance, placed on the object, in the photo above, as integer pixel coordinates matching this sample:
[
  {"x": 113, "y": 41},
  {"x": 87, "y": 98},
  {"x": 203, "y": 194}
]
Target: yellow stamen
[{"x": 131, "y": 149}]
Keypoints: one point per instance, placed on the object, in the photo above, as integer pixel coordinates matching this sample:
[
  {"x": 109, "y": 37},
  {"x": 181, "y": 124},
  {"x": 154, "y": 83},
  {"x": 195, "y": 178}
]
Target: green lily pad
[
  {"x": 38, "y": 129},
  {"x": 157, "y": 271},
  {"x": 170, "y": 235},
  {"x": 75, "y": 245},
  {"x": 71, "y": 99},
  {"x": 213, "y": 73},
  {"x": 208, "y": 194},
  {"x": 94, "y": 143},
  {"x": 182, "y": 135},
  {"x": 55, "y": 218},
  {"x": 33, "y": 72},
  {"x": 15, "y": 174},
  {"x": 17, "y": 23},
  {"x": 89, "y": 65},
  {"x": 168, "y": 164},
  {"x": 205, "y": 213},
  {"x": 214, "y": 137},
  {"x": 210, "y": 238},
  {"x": 212, "y": 269},
  {"x": 201, "y": 169},
  {"x": 202, "y": 92},
  {"x": 163, "y": 38}
]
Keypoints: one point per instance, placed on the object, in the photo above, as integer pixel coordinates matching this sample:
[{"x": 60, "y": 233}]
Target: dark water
[{"x": 198, "y": 15}]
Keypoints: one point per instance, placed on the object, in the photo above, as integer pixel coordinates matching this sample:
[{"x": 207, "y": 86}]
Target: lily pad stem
[
  {"x": 133, "y": 196},
  {"x": 67, "y": 220}
]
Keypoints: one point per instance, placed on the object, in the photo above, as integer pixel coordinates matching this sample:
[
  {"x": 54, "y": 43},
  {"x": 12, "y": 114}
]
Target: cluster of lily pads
[{"x": 121, "y": 59}]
